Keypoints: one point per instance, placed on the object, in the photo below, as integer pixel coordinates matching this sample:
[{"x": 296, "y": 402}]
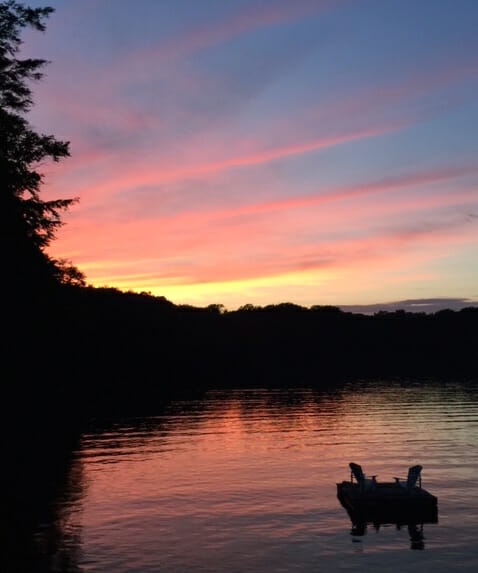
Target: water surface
[{"x": 245, "y": 481}]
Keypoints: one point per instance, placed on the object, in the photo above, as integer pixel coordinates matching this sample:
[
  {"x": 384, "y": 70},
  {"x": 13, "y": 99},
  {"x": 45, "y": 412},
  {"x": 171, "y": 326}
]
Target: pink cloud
[
  {"x": 119, "y": 168},
  {"x": 404, "y": 88},
  {"x": 191, "y": 162},
  {"x": 385, "y": 185},
  {"x": 163, "y": 173},
  {"x": 196, "y": 248},
  {"x": 387, "y": 250},
  {"x": 239, "y": 23}
]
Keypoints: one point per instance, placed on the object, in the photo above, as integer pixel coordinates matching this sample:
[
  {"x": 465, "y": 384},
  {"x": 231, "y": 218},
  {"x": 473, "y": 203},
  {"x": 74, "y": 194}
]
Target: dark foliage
[
  {"x": 106, "y": 349},
  {"x": 28, "y": 223}
]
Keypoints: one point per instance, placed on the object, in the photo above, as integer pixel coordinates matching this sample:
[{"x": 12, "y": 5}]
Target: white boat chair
[
  {"x": 364, "y": 482},
  {"x": 414, "y": 476}
]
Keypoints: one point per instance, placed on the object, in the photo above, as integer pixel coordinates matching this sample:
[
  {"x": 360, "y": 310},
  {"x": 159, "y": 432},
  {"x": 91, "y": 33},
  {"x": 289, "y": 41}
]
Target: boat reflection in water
[
  {"x": 414, "y": 522},
  {"x": 415, "y": 531},
  {"x": 399, "y": 503}
]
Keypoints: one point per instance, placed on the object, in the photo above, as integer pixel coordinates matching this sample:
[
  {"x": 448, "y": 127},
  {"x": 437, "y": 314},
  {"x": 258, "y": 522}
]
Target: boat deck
[{"x": 388, "y": 499}]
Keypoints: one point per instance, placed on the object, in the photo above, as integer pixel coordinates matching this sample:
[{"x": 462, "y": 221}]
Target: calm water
[{"x": 245, "y": 481}]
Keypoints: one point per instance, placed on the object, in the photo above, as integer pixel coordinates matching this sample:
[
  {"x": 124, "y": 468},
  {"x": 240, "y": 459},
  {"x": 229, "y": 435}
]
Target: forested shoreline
[{"x": 94, "y": 347}]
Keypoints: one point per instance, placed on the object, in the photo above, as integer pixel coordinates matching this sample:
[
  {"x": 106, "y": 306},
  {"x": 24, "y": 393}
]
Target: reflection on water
[
  {"x": 246, "y": 481},
  {"x": 415, "y": 532},
  {"x": 43, "y": 493}
]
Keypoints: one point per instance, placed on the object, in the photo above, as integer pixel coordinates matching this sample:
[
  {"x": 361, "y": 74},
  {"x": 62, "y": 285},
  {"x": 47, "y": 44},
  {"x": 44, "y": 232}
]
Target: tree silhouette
[{"x": 28, "y": 223}]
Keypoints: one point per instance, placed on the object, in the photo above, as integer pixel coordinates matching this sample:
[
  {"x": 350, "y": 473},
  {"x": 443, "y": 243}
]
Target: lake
[{"x": 245, "y": 481}]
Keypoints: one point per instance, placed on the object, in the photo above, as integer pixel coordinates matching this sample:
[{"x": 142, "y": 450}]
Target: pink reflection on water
[{"x": 248, "y": 478}]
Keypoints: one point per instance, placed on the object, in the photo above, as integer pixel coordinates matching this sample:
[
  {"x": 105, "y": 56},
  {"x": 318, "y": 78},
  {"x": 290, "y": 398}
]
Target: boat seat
[
  {"x": 357, "y": 473},
  {"x": 414, "y": 475}
]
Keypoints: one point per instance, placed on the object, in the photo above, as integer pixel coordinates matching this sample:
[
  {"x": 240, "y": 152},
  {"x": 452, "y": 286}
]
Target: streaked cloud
[{"x": 427, "y": 305}]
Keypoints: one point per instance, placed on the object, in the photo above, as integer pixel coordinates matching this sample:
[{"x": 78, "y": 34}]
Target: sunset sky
[{"x": 263, "y": 151}]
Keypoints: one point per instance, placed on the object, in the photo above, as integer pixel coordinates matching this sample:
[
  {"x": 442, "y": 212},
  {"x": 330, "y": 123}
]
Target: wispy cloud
[
  {"x": 162, "y": 173},
  {"x": 227, "y": 245},
  {"x": 232, "y": 25}
]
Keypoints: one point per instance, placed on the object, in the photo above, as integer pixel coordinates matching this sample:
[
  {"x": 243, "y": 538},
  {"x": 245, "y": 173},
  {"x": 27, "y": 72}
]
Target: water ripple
[{"x": 245, "y": 481}]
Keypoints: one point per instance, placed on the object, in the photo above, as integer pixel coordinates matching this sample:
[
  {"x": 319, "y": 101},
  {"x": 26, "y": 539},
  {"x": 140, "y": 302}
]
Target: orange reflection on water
[{"x": 246, "y": 473}]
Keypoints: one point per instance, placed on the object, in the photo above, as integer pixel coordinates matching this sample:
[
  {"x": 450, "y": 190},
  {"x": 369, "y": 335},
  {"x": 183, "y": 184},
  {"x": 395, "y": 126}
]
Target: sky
[{"x": 266, "y": 151}]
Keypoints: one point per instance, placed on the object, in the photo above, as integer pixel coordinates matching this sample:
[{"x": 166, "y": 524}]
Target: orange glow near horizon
[{"x": 182, "y": 259}]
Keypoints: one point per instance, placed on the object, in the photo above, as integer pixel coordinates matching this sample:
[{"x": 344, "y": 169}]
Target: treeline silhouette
[{"x": 89, "y": 348}]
